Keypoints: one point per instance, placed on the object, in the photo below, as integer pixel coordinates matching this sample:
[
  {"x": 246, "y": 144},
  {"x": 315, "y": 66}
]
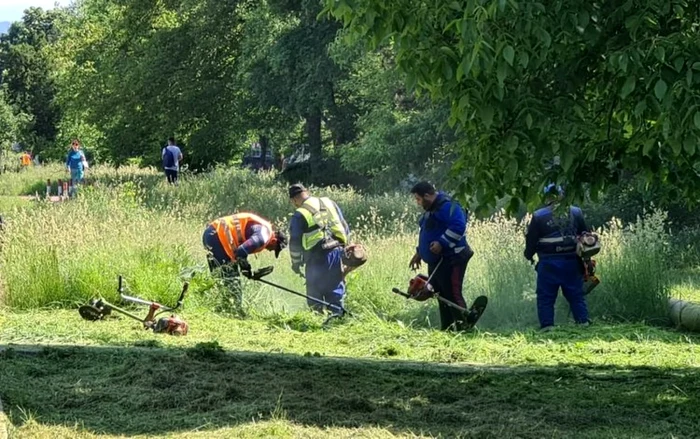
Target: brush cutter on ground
[
  {"x": 97, "y": 309},
  {"x": 420, "y": 289},
  {"x": 258, "y": 275}
]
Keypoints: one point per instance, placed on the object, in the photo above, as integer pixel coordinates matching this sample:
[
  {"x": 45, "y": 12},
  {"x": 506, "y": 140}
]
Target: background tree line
[
  {"x": 123, "y": 76},
  {"x": 505, "y": 95}
]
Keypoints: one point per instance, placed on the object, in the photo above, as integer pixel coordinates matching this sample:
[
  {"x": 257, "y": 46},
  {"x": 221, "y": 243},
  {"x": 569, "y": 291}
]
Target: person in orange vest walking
[{"x": 231, "y": 239}]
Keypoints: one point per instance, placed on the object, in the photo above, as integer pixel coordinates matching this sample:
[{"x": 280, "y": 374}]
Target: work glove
[
  {"x": 259, "y": 274},
  {"x": 245, "y": 267}
]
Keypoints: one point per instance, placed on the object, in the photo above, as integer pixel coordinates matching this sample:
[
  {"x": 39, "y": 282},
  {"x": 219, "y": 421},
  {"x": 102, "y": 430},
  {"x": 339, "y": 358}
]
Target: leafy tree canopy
[{"x": 572, "y": 92}]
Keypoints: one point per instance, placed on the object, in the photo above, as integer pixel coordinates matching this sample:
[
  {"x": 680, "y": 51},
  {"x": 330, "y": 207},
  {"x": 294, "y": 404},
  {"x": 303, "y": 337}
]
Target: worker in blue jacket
[
  {"x": 318, "y": 234},
  {"x": 553, "y": 237},
  {"x": 442, "y": 244}
]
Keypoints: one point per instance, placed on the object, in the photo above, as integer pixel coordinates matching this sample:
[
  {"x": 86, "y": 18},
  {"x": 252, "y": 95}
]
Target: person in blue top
[
  {"x": 553, "y": 237},
  {"x": 76, "y": 163},
  {"x": 442, "y": 244},
  {"x": 318, "y": 234}
]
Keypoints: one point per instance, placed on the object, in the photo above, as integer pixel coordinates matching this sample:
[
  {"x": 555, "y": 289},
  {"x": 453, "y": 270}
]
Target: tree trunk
[
  {"x": 313, "y": 135},
  {"x": 264, "y": 145}
]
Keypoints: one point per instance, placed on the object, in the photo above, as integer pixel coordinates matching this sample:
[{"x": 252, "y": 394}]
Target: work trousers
[
  {"x": 448, "y": 281},
  {"x": 565, "y": 273},
  {"x": 228, "y": 270},
  {"x": 324, "y": 279}
]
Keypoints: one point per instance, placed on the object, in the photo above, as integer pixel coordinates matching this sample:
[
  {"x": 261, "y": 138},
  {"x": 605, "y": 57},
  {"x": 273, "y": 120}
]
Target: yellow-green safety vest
[{"x": 323, "y": 222}]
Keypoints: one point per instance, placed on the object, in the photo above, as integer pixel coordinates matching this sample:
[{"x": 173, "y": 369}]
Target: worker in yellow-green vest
[{"x": 318, "y": 235}]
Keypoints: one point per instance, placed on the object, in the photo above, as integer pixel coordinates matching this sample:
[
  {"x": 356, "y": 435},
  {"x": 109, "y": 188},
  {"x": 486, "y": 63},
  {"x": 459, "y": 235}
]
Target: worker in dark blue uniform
[
  {"x": 442, "y": 244},
  {"x": 318, "y": 234},
  {"x": 553, "y": 237}
]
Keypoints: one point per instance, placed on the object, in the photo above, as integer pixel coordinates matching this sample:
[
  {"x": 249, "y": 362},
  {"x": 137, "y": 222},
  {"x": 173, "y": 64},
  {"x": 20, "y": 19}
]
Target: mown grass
[
  {"x": 367, "y": 336},
  {"x": 96, "y": 391}
]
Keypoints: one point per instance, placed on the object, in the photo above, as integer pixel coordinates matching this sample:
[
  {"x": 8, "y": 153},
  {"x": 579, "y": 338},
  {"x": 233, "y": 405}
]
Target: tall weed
[{"x": 131, "y": 222}]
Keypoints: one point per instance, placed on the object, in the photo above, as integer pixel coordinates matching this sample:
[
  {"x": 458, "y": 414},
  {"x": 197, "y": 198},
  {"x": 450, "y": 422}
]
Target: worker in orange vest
[
  {"x": 25, "y": 160},
  {"x": 231, "y": 239}
]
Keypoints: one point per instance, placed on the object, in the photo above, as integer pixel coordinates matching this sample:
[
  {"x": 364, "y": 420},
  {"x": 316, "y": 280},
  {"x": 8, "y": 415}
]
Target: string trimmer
[
  {"x": 259, "y": 274},
  {"x": 97, "y": 309},
  {"x": 420, "y": 289}
]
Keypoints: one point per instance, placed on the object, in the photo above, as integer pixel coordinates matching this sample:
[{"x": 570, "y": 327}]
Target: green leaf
[
  {"x": 623, "y": 62},
  {"x": 512, "y": 170},
  {"x": 583, "y": 19},
  {"x": 509, "y": 54},
  {"x": 696, "y": 65},
  {"x": 675, "y": 146},
  {"x": 546, "y": 38},
  {"x": 628, "y": 86},
  {"x": 486, "y": 114},
  {"x": 447, "y": 70},
  {"x": 689, "y": 145},
  {"x": 449, "y": 52},
  {"x": 528, "y": 121},
  {"x": 647, "y": 146},
  {"x": 524, "y": 59},
  {"x": 502, "y": 5},
  {"x": 661, "y": 53},
  {"x": 501, "y": 72},
  {"x": 640, "y": 108},
  {"x": 660, "y": 89},
  {"x": 568, "y": 159},
  {"x": 696, "y": 119},
  {"x": 678, "y": 63},
  {"x": 689, "y": 77}
]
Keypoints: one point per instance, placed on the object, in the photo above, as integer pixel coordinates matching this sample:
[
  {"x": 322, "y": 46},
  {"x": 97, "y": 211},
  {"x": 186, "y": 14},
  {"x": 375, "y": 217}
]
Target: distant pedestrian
[
  {"x": 172, "y": 156},
  {"x": 76, "y": 164},
  {"x": 25, "y": 160}
]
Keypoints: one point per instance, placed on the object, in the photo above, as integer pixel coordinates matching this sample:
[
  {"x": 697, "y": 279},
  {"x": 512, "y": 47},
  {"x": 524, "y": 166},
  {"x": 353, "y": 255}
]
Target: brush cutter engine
[
  {"x": 590, "y": 280},
  {"x": 172, "y": 325},
  {"x": 420, "y": 289}
]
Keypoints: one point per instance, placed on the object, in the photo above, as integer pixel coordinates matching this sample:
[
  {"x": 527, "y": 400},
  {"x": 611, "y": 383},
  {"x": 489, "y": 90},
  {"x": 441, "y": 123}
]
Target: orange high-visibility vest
[
  {"x": 231, "y": 231},
  {"x": 26, "y": 160}
]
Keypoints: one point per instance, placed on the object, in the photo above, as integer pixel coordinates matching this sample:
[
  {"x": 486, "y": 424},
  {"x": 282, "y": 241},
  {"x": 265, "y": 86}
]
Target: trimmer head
[{"x": 95, "y": 310}]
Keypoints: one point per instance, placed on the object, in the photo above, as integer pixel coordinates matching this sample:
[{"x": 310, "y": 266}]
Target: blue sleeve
[
  {"x": 68, "y": 160},
  {"x": 342, "y": 219},
  {"x": 531, "y": 239},
  {"x": 456, "y": 222},
  {"x": 256, "y": 240},
  {"x": 296, "y": 230}
]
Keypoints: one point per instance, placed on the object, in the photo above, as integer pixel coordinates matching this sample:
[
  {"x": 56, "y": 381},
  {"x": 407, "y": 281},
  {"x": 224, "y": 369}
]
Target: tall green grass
[{"x": 131, "y": 222}]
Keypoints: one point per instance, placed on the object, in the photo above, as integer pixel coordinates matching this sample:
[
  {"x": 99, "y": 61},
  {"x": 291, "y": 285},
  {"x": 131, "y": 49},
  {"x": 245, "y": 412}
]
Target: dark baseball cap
[{"x": 296, "y": 189}]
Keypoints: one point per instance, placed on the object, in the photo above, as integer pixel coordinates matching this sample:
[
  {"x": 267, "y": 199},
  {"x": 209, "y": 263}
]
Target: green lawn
[{"x": 287, "y": 377}]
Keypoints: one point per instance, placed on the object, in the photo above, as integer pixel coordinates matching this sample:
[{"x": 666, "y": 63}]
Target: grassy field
[{"x": 385, "y": 372}]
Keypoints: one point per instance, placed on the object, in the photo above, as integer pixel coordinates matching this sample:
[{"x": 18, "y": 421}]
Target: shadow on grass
[{"x": 149, "y": 390}]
